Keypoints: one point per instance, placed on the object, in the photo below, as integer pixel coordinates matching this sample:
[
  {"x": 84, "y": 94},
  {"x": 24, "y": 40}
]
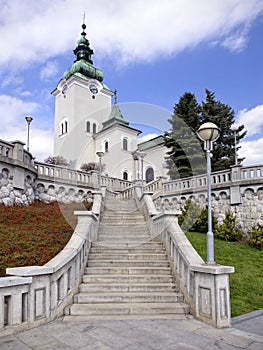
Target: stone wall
[{"x": 239, "y": 190}]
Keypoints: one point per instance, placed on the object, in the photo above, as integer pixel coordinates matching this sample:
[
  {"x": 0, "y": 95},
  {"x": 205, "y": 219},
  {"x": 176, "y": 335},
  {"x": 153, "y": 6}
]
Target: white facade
[{"x": 86, "y": 122}]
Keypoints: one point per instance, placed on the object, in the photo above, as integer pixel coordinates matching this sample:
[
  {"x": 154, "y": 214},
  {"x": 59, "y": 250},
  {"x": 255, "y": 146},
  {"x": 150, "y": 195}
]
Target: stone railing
[
  {"x": 34, "y": 295},
  {"x": 57, "y": 175},
  {"x": 13, "y": 153},
  {"x": 205, "y": 286}
]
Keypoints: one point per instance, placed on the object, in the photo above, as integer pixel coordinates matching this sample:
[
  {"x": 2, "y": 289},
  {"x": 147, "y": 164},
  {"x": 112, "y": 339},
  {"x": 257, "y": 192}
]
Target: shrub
[
  {"x": 229, "y": 230},
  {"x": 256, "y": 236},
  {"x": 58, "y": 160},
  {"x": 193, "y": 218},
  {"x": 190, "y": 213},
  {"x": 201, "y": 224},
  {"x": 92, "y": 166}
]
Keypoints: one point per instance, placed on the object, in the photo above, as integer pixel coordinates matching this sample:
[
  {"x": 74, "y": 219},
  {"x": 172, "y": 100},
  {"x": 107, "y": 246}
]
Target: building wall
[{"x": 76, "y": 107}]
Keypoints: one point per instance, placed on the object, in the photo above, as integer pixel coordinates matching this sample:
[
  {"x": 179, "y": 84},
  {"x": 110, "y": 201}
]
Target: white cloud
[
  {"x": 124, "y": 30},
  {"x": 251, "y": 151},
  {"x": 49, "y": 70},
  {"x": 252, "y": 119},
  {"x": 14, "y": 127},
  {"x": 13, "y": 110}
]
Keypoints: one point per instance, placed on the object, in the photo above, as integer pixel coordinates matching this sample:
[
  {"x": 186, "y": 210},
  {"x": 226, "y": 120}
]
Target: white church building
[{"x": 86, "y": 122}]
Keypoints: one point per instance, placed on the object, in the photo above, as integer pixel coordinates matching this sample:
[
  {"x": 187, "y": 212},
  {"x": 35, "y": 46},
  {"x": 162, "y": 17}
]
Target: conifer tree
[
  {"x": 186, "y": 157},
  {"x": 223, "y": 116}
]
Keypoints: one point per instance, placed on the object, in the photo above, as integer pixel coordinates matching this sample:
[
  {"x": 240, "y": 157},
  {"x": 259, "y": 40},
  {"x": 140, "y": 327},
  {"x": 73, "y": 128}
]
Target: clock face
[
  {"x": 64, "y": 88},
  {"x": 93, "y": 89}
]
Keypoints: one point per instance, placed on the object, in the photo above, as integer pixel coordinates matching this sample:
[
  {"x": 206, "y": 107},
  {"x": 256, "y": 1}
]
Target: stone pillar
[{"x": 211, "y": 294}]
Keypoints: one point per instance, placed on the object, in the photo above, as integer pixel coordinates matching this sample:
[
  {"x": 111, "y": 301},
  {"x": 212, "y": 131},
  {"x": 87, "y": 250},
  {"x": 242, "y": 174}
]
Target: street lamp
[
  {"x": 141, "y": 155},
  {"x": 209, "y": 132},
  {"x": 234, "y": 128},
  {"x": 100, "y": 154},
  {"x": 28, "y": 119}
]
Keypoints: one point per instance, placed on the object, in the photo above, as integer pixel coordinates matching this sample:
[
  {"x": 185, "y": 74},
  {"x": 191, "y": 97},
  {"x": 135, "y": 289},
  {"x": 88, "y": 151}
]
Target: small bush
[
  {"x": 229, "y": 230},
  {"x": 201, "y": 224},
  {"x": 193, "y": 218},
  {"x": 256, "y": 236},
  {"x": 190, "y": 212}
]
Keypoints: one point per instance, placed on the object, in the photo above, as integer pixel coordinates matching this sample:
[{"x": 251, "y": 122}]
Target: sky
[{"x": 150, "y": 51}]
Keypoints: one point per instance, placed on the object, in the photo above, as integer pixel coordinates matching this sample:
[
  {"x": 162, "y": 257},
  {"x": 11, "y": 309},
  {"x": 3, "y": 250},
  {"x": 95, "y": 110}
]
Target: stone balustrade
[
  {"x": 34, "y": 295},
  {"x": 205, "y": 286}
]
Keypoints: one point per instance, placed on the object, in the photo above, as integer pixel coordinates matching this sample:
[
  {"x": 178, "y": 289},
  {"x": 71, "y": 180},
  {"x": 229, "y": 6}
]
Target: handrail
[{"x": 205, "y": 287}]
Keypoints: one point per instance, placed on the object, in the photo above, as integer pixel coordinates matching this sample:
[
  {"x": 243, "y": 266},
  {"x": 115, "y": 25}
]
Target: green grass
[{"x": 246, "y": 283}]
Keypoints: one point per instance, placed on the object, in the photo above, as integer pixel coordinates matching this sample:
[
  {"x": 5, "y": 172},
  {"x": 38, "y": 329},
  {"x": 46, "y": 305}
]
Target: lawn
[
  {"x": 246, "y": 284},
  {"x": 32, "y": 235}
]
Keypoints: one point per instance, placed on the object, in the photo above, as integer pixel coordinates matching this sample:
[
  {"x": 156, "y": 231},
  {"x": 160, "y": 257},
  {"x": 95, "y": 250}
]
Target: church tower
[{"x": 82, "y": 104}]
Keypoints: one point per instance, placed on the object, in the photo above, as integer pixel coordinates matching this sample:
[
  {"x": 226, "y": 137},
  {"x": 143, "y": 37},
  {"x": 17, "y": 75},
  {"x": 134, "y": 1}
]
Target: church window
[
  {"x": 94, "y": 128},
  {"x": 106, "y": 146},
  {"x": 125, "y": 175},
  {"x": 125, "y": 144},
  {"x": 63, "y": 127},
  {"x": 88, "y": 127},
  {"x": 149, "y": 175}
]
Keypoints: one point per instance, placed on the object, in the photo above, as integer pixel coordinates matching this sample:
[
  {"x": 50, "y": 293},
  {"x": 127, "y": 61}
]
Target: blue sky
[{"x": 151, "y": 51}]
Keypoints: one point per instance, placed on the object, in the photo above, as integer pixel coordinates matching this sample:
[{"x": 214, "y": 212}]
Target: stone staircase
[{"x": 127, "y": 274}]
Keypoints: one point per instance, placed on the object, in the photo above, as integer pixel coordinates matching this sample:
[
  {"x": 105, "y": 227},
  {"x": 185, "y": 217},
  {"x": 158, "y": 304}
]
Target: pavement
[{"x": 140, "y": 334}]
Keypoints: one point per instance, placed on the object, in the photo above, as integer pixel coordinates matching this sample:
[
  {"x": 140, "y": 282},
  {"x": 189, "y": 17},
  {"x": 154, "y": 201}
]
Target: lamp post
[
  {"x": 234, "y": 128},
  {"x": 141, "y": 155},
  {"x": 100, "y": 154},
  {"x": 28, "y": 119},
  {"x": 209, "y": 132}
]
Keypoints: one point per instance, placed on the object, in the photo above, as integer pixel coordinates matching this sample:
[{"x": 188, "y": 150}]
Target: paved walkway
[{"x": 188, "y": 334}]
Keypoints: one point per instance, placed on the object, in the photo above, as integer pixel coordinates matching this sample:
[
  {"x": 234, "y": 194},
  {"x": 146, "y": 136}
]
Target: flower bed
[{"x": 34, "y": 234}]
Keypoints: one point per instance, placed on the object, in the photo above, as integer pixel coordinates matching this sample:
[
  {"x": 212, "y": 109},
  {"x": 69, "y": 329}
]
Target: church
[{"x": 89, "y": 127}]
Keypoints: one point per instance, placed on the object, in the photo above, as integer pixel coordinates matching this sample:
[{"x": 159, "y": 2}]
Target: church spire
[
  {"x": 83, "y": 63},
  {"x": 83, "y": 50}
]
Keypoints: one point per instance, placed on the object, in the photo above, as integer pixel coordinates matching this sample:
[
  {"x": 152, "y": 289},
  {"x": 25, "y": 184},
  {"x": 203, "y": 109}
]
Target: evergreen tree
[
  {"x": 186, "y": 157},
  {"x": 223, "y": 116}
]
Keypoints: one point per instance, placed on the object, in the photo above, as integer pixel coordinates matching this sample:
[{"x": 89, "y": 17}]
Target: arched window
[
  {"x": 149, "y": 175},
  {"x": 63, "y": 127},
  {"x": 106, "y": 146},
  {"x": 125, "y": 144},
  {"x": 94, "y": 128},
  {"x": 88, "y": 127},
  {"x": 125, "y": 175}
]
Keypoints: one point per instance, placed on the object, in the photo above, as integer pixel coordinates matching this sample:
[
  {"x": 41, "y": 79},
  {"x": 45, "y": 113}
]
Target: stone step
[
  {"x": 122, "y": 229},
  {"x": 128, "y": 297},
  {"x": 120, "y": 245},
  {"x": 116, "y": 270},
  {"x": 141, "y": 279},
  {"x": 127, "y": 287},
  {"x": 120, "y": 206},
  {"x": 120, "y": 256},
  {"x": 123, "y": 214},
  {"x": 127, "y": 263},
  {"x": 124, "y": 233},
  {"x": 124, "y": 251},
  {"x": 150, "y": 245},
  {"x": 127, "y": 309},
  {"x": 123, "y": 239},
  {"x": 126, "y": 317}
]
